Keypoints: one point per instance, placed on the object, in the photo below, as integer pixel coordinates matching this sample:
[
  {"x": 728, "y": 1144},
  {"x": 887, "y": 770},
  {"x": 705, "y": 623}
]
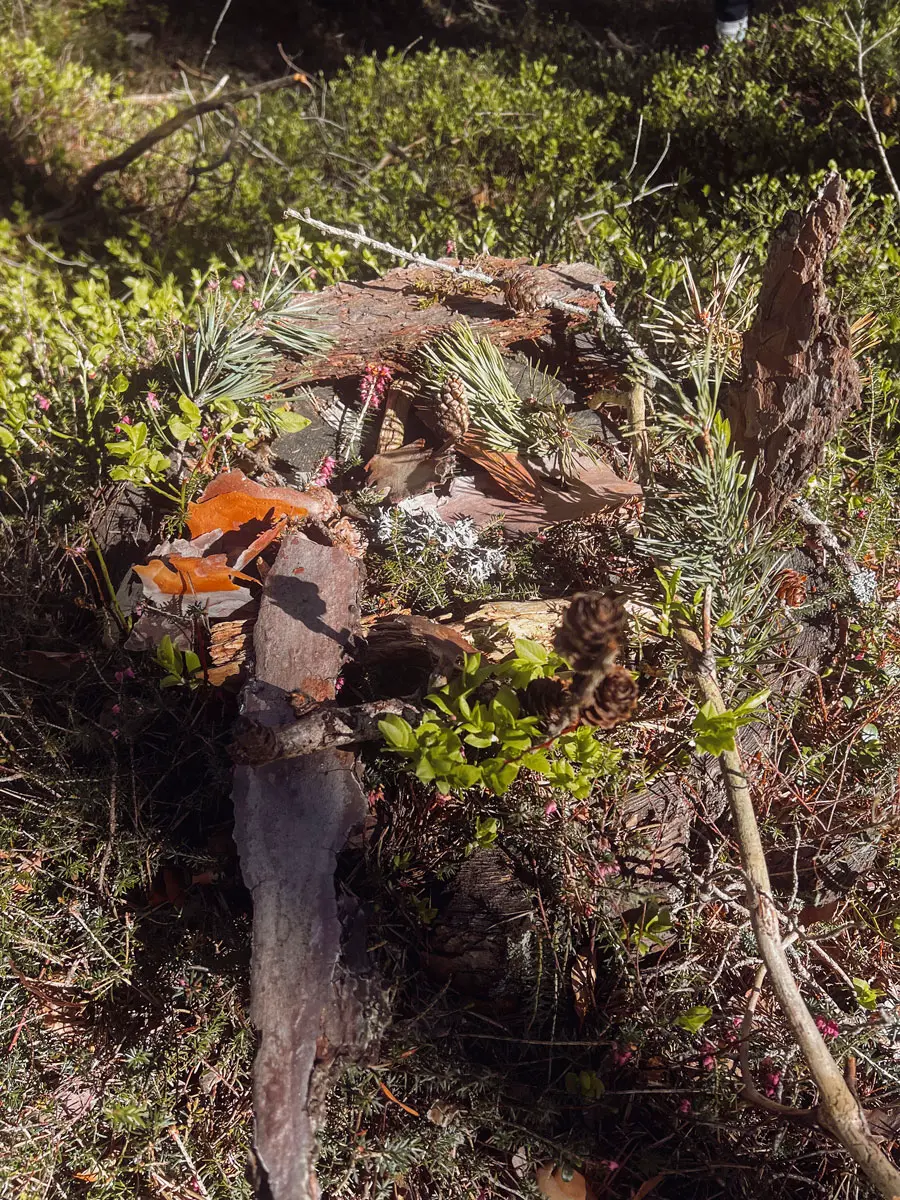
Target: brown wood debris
[
  {"x": 387, "y": 319},
  {"x": 799, "y": 380},
  {"x": 291, "y": 819}
]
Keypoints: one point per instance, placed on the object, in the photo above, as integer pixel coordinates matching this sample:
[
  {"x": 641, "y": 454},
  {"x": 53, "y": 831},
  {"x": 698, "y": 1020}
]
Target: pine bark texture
[
  {"x": 799, "y": 381},
  {"x": 292, "y": 818}
]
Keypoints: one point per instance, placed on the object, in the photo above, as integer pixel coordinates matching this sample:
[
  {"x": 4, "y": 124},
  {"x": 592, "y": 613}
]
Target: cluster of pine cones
[{"x": 591, "y": 638}]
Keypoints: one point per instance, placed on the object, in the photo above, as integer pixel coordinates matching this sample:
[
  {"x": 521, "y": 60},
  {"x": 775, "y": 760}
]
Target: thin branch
[
  {"x": 857, "y": 42},
  {"x": 118, "y": 162},
  {"x": 361, "y": 238},
  {"x": 838, "y": 1110},
  {"x": 214, "y": 35}
]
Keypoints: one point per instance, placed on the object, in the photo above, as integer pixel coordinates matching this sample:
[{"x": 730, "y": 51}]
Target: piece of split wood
[{"x": 291, "y": 819}]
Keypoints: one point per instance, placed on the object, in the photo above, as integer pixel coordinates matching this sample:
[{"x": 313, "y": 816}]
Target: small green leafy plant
[
  {"x": 714, "y": 732},
  {"x": 477, "y": 736},
  {"x": 182, "y": 668}
]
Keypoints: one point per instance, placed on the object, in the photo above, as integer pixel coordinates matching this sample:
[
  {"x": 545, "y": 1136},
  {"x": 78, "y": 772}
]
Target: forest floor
[{"x": 600, "y": 1038}]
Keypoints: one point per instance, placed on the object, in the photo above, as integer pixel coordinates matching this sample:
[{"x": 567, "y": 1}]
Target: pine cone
[
  {"x": 614, "y": 700},
  {"x": 791, "y": 588},
  {"x": 545, "y": 697},
  {"x": 522, "y": 292},
  {"x": 452, "y": 409},
  {"x": 593, "y": 630}
]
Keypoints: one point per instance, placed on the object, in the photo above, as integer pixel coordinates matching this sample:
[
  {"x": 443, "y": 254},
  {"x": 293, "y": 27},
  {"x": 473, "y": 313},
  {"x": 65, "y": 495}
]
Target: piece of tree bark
[
  {"x": 798, "y": 378},
  {"x": 387, "y": 319},
  {"x": 292, "y": 817}
]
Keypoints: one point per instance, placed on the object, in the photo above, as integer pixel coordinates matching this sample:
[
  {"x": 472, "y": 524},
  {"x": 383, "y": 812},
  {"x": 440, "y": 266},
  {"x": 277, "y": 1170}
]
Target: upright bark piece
[
  {"x": 798, "y": 380},
  {"x": 292, "y": 818}
]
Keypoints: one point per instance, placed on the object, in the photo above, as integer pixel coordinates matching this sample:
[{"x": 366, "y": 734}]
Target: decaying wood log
[
  {"x": 799, "y": 380},
  {"x": 387, "y": 319},
  {"x": 292, "y": 817}
]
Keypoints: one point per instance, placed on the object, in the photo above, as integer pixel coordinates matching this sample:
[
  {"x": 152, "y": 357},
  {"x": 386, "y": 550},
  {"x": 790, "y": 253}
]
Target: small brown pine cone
[
  {"x": 522, "y": 292},
  {"x": 791, "y": 588},
  {"x": 614, "y": 701},
  {"x": 593, "y": 630},
  {"x": 545, "y": 697},
  {"x": 452, "y": 409}
]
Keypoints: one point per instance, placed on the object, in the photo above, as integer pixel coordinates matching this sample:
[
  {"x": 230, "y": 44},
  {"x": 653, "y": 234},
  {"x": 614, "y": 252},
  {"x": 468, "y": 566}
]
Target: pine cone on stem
[
  {"x": 614, "y": 700},
  {"x": 545, "y": 697},
  {"x": 592, "y": 634}
]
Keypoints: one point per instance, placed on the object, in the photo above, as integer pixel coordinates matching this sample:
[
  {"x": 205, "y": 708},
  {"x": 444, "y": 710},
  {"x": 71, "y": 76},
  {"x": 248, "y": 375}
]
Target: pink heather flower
[
  {"x": 708, "y": 1062},
  {"x": 621, "y": 1055},
  {"x": 42, "y": 402},
  {"x": 313, "y": 273},
  {"x": 239, "y": 283},
  {"x": 451, "y": 248},
  {"x": 861, "y": 514},
  {"x": 326, "y": 469},
  {"x": 205, "y": 433},
  {"x": 374, "y": 383},
  {"x": 128, "y": 673},
  {"x": 212, "y": 285},
  {"x": 152, "y": 401},
  {"x": 827, "y": 1027},
  {"x": 116, "y": 709},
  {"x": 32, "y": 479},
  {"x": 114, "y": 733},
  {"x": 127, "y": 420},
  {"x": 769, "y": 1078},
  {"x": 339, "y": 684},
  {"x": 685, "y": 1107},
  {"x": 120, "y": 676},
  {"x": 256, "y": 303},
  {"x": 610, "y": 1164},
  {"x": 550, "y": 808}
]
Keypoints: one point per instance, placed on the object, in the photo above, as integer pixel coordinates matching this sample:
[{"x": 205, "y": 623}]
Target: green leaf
[
  {"x": 714, "y": 732},
  {"x": 180, "y": 430},
  {"x": 167, "y": 656},
  {"x": 190, "y": 412},
  {"x": 119, "y": 385},
  {"x": 440, "y": 702},
  {"x": 398, "y": 734},
  {"x": 192, "y": 662},
  {"x": 499, "y": 775},
  {"x": 867, "y": 996},
  {"x": 693, "y": 1019},
  {"x": 289, "y": 421},
  {"x": 530, "y": 652},
  {"x": 7, "y": 440}
]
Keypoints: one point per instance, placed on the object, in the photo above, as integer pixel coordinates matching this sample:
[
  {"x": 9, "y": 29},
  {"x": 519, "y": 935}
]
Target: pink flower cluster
[
  {"x": 327, "y": 467},
  {"x": 827, "y": 1027},
  {"x": 769, "y": 1078},
  {"x": 373, "y": 384}
]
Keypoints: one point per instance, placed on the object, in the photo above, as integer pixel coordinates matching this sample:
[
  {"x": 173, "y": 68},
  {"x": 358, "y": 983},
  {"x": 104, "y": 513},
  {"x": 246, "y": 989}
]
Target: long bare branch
[
  {"x": 838, "y": 1110},
  {"x": 118, "y": 162}
]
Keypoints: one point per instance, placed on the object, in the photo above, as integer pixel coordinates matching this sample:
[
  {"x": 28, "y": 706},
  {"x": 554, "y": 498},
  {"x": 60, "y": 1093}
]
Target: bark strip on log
[
  {"x": 387, "y": 319},
  {"x": 799, "y": 380},
  {"x": 292, "y": 818}
]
